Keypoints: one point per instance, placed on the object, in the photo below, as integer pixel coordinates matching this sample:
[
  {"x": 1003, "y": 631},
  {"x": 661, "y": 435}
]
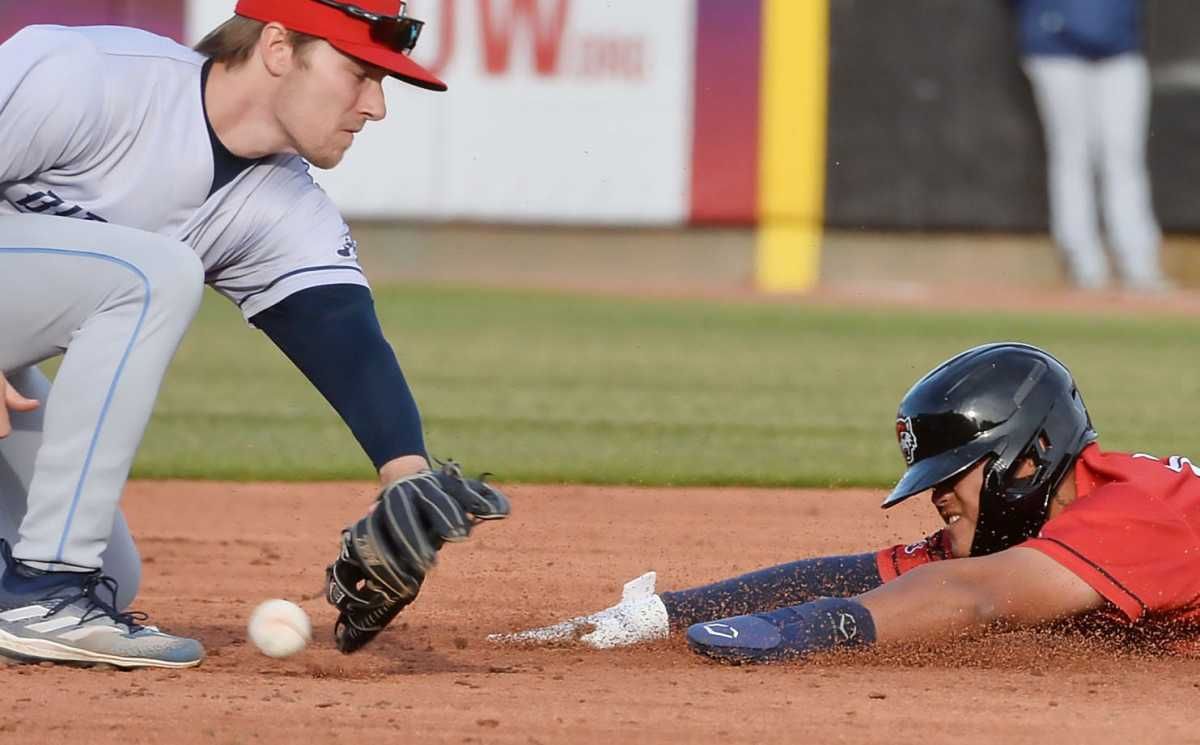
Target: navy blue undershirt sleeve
[
  {"x": 794, "y": 632},
  {"x": 332, "y": 334},
  {"x": 774, "y": 587},
  {"x": 226, "y": 165}
]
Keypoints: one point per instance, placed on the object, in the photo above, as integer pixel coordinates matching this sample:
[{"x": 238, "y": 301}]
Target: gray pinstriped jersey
[{"x": 107, "y": 123}]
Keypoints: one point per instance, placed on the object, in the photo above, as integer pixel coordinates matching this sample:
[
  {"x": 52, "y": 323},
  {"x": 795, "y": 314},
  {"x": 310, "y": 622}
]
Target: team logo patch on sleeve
[
  {"x": 907, "y": 438},
  {"x": 349, "y": 247}
]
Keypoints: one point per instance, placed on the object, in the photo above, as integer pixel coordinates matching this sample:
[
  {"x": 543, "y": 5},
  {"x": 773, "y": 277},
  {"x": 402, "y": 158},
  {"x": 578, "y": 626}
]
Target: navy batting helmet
[{"x": 1003, "y": 402}]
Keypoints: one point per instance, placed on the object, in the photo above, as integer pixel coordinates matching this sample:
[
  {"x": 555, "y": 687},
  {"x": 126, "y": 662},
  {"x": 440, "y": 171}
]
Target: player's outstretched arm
[
  {"x": 642, "y": 615},
  {"x": 1017, "y": 587},
  {"x": 332, "y": 334},
  {"x": 774, "y": 587}
]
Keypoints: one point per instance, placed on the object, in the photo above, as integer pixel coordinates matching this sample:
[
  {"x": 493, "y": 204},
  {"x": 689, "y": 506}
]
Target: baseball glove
[{"x": 385, "y": 556}]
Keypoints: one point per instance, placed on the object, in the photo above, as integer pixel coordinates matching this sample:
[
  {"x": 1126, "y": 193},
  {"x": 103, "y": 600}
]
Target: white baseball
[{"x": 279, "y": 628}]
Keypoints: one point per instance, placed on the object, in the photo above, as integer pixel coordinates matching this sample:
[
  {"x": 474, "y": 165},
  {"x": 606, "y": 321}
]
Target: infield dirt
[{"x": 212, "y": 551}]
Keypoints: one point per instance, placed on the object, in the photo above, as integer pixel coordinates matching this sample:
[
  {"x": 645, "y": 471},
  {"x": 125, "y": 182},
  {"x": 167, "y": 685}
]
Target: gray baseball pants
[
  {"x": 1095, "y": 116},
  {"x": 115, "y": 302}
]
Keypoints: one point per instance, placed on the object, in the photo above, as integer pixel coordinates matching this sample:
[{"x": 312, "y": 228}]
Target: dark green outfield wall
[{"x": 932, "y": 123}]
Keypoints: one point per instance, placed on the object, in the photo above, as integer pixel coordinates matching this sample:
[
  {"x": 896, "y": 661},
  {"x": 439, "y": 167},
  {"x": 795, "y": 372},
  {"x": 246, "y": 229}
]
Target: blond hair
[{"x": 234, "y": 41}]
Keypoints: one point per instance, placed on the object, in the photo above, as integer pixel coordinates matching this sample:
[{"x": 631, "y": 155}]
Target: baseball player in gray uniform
[
  {"x": 1091, "y": 84},
  {"x": 133, "y": 171}
]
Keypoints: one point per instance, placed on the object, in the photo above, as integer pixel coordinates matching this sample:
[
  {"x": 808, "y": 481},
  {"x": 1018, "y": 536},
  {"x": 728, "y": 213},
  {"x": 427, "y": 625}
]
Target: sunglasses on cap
[{"x": 399, "y": 33}]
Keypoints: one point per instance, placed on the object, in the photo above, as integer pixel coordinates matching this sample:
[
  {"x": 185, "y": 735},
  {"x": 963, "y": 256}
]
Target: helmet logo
[{"x": 907, "y": 438}]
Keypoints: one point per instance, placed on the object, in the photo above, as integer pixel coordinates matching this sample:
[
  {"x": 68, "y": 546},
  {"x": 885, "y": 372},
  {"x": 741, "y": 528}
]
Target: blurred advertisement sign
[
  {"x": 572, "y": 111},
  {"x": 160, "y": 16}
]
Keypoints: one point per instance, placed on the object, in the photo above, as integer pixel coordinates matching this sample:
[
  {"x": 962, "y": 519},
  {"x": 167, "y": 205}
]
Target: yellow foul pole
[{"x": 795, "y": 72}]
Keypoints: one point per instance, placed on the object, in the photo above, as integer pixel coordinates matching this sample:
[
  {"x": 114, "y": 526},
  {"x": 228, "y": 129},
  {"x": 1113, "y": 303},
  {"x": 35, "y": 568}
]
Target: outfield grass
[{"x": 546, "y": 388}]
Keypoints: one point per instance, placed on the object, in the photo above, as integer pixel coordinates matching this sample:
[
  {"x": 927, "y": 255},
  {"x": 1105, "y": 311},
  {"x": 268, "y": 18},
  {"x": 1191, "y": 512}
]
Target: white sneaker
[{"x": 639, "y": 617}]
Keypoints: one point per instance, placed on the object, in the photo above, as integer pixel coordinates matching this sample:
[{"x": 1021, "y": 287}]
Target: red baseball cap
[{"x": 346, "y": 32}]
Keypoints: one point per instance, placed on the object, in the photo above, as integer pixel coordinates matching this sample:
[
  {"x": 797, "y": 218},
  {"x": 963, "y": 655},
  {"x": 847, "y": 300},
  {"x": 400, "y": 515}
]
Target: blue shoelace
[
  {"x": 97, "y": 607},
  {"x": 88, "y": 590}
]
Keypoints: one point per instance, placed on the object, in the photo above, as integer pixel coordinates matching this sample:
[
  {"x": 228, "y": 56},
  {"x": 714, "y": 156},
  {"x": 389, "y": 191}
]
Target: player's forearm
[
  {"x": 931, "y": 602},
  {"x": 332, "y": 335},
  {"x": 766, "y": 589},
  {"x": 1018, "y": 587}
]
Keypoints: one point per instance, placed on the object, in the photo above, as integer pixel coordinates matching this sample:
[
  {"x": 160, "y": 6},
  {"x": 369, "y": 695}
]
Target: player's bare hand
[{"x": 13, "y": 401}]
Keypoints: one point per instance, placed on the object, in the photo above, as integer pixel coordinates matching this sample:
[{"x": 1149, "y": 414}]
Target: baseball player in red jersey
[
  {"x": 1042, "y": 525},
  {"x": 1127, "y": 534}
]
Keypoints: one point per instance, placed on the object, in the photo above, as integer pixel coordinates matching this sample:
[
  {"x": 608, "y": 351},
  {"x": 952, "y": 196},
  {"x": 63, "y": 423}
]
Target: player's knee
[
  {"x": 177, "y": 282},
  {"x": 184, "y": 276}
]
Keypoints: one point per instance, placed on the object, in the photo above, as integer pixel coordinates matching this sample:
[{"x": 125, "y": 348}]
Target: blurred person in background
[{"x": 1092, "y": 87}]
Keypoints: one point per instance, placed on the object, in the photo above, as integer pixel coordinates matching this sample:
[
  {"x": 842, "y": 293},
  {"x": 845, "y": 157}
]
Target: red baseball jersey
[{"x": 1132, "y": 533}]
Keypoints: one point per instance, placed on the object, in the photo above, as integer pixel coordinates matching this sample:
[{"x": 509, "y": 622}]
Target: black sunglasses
[{"x": 399, "y": 33}]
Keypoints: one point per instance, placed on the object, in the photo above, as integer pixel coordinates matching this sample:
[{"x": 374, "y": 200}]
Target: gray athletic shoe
[{"x": 61, "y": 617}]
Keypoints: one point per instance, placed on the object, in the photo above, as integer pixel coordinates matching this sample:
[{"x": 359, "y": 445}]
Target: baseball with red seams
[{"x": 279, "y": 628}]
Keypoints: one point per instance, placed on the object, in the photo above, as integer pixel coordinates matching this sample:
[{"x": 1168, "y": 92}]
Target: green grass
[{"x": 548, "y": 388}]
